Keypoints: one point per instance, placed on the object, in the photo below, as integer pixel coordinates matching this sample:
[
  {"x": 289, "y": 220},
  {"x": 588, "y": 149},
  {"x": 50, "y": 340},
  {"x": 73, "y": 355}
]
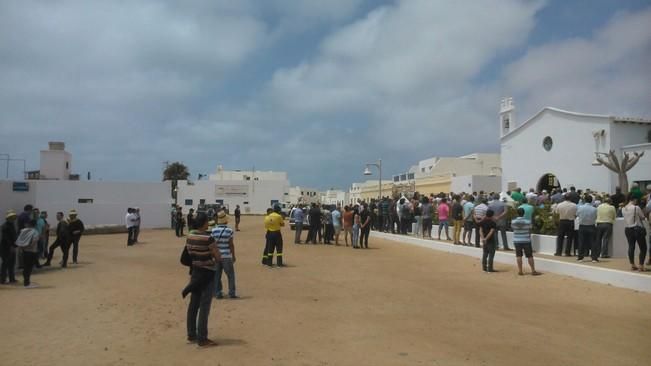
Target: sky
[{"x": 311, "y": 87}]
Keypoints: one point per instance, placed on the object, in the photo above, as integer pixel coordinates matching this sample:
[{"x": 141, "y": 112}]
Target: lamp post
[
  {"x": 176, "y": 196},
  {"x": 8, "y": 158},
  {"x": 367, "y": 171}
]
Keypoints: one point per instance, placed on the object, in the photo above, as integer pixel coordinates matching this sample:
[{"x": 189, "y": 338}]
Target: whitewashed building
[
  {"x": 334, "y": 197},
  {"x": 303, "y": 195},
  {"x": 254, "y": 191},
  {"x": 557, "y": 148}
]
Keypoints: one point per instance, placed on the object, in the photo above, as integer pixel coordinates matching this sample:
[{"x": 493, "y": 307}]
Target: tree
[
  {"x": 175, "y": 172},
  {"x": 627, "y": 163}
]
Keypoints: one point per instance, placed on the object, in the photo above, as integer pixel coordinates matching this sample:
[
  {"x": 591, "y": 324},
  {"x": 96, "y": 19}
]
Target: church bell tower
[{"x": 507, "y": 114}]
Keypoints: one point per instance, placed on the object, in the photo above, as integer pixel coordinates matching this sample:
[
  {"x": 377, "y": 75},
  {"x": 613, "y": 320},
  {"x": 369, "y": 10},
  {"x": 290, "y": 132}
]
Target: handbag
[{"x": 186, "y": 260}]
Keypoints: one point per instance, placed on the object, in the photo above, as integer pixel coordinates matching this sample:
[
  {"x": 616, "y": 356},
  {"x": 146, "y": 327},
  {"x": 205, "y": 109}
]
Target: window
[
  {"x": 410, "y": 176},
  {"x": 422, "y": 170},
  {"x": 302, "y": 193},
  {"x": 548, "y": 143},
  {"x": 256, "y": 178},
  {"x": 396, "y": 178},
  {"x": 245, "y": 202},
  {"x": 202, "y": 201},
  {"x": 188, "y": 202},
  {"x": 67, "y": 165},
  {"x": 403, "y": 176},
  {"x": 85, "y": 200}
]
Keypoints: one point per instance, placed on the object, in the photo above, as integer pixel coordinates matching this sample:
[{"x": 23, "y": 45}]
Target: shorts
[
  {"x": 337, "y": 229},
  {"x": 528, "y": 251}
]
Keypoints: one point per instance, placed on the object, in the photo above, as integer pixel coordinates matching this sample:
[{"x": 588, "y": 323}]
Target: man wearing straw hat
[
  {"x": 76, "y": 228},
  {"x": 8, "y": 249},
  {"x": 223, "y": 236}
]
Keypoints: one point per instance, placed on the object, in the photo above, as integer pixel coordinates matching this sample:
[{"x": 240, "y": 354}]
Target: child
[
  {"x": 487, "y": 234},
  {"x": 522, "y": 240}
]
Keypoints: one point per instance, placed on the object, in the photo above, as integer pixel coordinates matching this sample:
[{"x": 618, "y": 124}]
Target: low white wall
[
  {"x": 110, "y": 200},
  {"x": 546, "y": 244}
]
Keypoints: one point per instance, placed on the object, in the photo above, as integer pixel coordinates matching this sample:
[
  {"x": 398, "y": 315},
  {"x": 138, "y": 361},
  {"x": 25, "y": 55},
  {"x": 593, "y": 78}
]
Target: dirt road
[{"x": 393, "y": 304}]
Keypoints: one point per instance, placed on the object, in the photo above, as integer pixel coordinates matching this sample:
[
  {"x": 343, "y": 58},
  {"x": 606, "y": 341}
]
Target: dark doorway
[{"x": 548, "y": 182}]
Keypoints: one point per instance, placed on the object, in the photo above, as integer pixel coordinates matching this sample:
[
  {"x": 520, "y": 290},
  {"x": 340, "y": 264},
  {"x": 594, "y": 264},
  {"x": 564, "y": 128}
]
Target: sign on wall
[
  {"x": 21, "y": 187},
  {"x": 232, "y": 190}
]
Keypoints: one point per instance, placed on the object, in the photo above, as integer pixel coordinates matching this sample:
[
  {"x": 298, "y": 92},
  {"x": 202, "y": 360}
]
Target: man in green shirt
[
  {"x": 516, "y": 195},
  {"x": 605, "y": 219}
]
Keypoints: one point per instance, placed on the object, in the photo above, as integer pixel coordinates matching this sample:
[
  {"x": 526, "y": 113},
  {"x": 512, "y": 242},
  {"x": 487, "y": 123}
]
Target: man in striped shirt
[
  {"x": 522, "y": 241},
  {"x": 223, "y": 236},
  {"x": 478, "y": 214},
  {"x": 205, "y": 254}
]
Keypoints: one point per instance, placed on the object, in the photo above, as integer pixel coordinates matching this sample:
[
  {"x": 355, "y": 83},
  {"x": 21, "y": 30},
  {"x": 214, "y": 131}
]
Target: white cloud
[
  {"x": 608, "y": 73},
  {"x": 410, "y": 65}
]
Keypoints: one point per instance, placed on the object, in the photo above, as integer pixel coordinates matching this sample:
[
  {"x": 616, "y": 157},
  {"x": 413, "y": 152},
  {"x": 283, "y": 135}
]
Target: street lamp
[
  {"x": 367, "y": 171},
  {"x": 176, "y": 195}
]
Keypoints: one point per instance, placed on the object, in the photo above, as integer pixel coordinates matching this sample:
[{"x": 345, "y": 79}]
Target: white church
[{"x": 557, "y": 148}]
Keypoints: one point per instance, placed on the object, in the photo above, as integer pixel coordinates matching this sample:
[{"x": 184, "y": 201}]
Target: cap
[
  {"x": 72, "y": 212},
  {"x": 10, "y": 213}
]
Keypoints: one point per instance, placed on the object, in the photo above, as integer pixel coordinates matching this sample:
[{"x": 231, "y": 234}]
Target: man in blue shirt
[
  {"x": 223, "y": 236},
  {"x": 587, "y": 215},
  {"x": 298, "y": 215},
  {"x": 522, "y": 241}
]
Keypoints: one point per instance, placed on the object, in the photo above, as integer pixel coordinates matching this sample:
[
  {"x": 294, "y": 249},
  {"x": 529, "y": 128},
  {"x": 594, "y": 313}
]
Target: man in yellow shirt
[
  {"x": 273, "y": 222},
  {"x": 605, "y": 219},
  {"x": 266, "y": 237}
]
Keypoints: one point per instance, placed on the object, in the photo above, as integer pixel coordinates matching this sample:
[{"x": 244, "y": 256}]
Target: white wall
[
  {"x": 642, "y": 170},
  {"x": 254, "y": 197},
  {"x": 525, "y": 161},
  {"x": 53, "y": 164},
  {"x": 110, "y": 200},
  {"x": 475, "y": 183}
]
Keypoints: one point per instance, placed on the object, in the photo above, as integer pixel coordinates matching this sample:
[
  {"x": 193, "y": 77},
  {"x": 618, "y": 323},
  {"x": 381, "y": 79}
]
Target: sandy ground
[{"x": 393, "y": 304}]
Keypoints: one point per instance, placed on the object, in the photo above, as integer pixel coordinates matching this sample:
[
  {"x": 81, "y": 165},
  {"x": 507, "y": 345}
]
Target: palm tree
[{"x": 175, "y": 172}]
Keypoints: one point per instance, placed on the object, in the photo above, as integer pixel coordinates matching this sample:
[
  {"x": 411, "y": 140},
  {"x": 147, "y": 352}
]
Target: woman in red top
[{"x": 348, "y": 224}]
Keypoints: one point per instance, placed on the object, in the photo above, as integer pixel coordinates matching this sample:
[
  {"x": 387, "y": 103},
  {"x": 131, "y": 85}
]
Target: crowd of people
[
  {"x": 584, "y": 223},
  {"x": 25, "y": 240}
]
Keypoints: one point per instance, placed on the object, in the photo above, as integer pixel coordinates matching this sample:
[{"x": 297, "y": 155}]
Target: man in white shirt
[{"x": 131, "y": 221}]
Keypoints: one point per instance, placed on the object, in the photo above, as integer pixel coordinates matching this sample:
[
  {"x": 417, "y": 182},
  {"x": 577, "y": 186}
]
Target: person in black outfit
[
  {"x": 315, "y": 224},
  {"x": 190, "y": 220},
  {"x": 75, "y": 228},
  {"x": 180, "y": 222},
  {"x": 238, "y": 215},
  {"x": 8, "y": 249},
  {"x": 487, "y": 229},
  {"x": 62, "y": 241},
  {"x": 365, "y": 220}
]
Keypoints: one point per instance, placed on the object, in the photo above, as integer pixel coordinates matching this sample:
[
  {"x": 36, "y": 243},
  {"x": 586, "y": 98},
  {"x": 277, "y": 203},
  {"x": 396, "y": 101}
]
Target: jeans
[
  {"x": 363, "y": 241},
  {"x": 136, "y": 233},
  {"x": 636, "y": 235},
  {"x": 131, "y": 236},
  {"x": 299, "y": 231},
  {"x": 386, "y": 223},
  {"x": 501, "y": 228},
  {"x": 29, "y": 260},
  {"x": 8, "y": 265},
  {"x": 225, "y": 265},
  {"x": 199, "y": 306},
  {"x": 488, "y": 255},
  {"x": 64, "y": 249},
  {"x": 587, "y": 242},
  {"x": 75, "y": 247},
  {"x": 355, "y": 235},
  {"x": 446, "y": 225},
  {"x": 179, "y": 229},
  {"x": 604, "y": 233},
  {"x": 427, "y": 227},
  {"x": 565, "y": 229},
  {"x": 419, "y": 225}
]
